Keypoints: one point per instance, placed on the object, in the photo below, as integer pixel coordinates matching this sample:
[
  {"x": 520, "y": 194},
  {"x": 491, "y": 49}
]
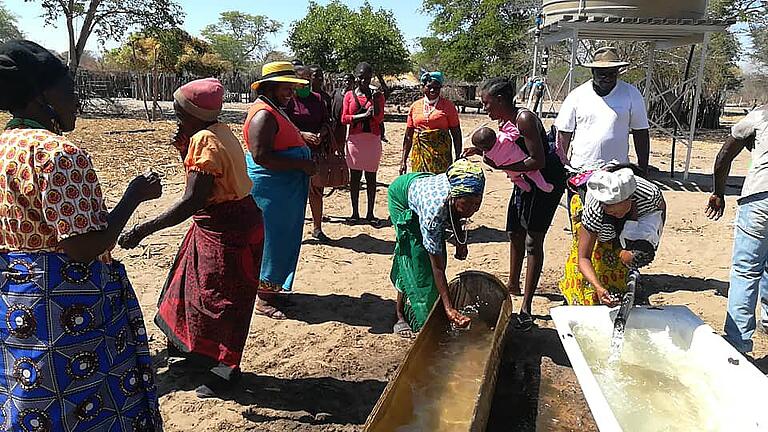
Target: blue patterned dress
[{"x": 73, "y": 347}]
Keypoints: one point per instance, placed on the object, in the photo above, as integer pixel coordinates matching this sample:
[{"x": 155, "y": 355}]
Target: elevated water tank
[{"x": 555, "y": 9}]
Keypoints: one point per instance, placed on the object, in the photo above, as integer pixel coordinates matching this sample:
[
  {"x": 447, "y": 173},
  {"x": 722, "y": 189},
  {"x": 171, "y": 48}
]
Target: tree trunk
[
  {"x": 76, "y": 52},
  {"x": 140, "y": 83},
  {"x": 73, "y": 60}
]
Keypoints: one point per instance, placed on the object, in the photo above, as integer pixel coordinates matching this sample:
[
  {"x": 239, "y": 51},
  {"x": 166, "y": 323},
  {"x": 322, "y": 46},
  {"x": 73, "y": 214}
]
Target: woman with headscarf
[
  {"x": 206, "y": 304},
  {"x": 530, "y": 212},
  {"x": 432, "y": 130},
  {"x": 308, "y": 110},
  {"x": 422, "y": 206},
  {"x": 74, "y": 346},
  {"x": 364, "y": 112},
  {"x": 618, "y": 228},
  {"x": 280, "y": 165}
]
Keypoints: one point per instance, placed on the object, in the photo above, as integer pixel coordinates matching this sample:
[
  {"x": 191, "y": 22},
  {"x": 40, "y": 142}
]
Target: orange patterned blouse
[{"x": 49, "y": 191}]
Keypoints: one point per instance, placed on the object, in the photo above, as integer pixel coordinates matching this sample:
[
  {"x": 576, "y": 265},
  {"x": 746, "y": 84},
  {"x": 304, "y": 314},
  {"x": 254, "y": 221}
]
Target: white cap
[{"x": 612, "y": 187}]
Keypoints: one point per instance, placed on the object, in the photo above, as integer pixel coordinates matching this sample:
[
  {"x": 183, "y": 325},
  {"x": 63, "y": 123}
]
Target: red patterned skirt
[{"x": 207, "y": 302}]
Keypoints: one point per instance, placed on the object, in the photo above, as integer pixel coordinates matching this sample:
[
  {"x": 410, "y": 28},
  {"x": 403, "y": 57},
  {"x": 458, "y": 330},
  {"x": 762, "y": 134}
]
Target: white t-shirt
[
  {"x": 601, "y": 125},
  {"x": 755, "y": 124}
]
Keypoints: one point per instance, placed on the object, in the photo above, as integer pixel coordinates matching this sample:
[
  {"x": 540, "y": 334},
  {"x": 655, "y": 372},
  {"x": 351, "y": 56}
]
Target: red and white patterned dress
[{"x": 49, "y": 191}]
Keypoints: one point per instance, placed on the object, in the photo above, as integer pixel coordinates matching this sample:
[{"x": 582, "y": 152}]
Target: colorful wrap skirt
[
  {"x": 605, "y": 259},
  {"x": 74, "y": 348},
  {"x": 431, "y": 151},
  {"x": 207, "y": 302}
]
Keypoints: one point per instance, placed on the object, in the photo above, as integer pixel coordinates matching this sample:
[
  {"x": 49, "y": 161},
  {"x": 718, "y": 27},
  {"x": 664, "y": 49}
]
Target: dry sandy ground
[{"x": 324, "y": 368}]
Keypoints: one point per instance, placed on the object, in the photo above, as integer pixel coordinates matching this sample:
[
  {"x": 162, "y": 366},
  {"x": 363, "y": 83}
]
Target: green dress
[{"x": 411, "y": 267}]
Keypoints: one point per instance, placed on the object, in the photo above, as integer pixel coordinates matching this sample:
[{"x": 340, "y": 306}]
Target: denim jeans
[{"x": 749, "y": 279}]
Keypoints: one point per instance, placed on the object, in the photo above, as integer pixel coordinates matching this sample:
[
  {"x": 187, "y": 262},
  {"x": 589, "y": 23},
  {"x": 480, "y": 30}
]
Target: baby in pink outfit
[{"x": 502, "y": 150}]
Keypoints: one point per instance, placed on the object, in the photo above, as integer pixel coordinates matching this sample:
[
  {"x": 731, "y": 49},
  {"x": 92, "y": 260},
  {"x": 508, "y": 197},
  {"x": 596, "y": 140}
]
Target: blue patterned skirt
[{"x": 74, "y": 348}]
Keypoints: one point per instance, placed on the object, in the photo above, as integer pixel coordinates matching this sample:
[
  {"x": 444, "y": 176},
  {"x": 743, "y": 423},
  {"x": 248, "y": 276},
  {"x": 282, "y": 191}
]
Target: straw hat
[
  {"x": 606, "y": 57},
  {"x": 281, "y": 71}
]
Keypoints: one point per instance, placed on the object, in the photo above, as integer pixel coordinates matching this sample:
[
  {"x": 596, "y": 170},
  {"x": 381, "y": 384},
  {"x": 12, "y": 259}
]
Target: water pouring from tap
[{"x": 622, "y": 315}]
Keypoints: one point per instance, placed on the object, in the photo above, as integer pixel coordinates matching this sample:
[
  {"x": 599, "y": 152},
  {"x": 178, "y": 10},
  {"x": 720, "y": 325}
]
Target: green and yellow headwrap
[{"x": 466, "y": 178}]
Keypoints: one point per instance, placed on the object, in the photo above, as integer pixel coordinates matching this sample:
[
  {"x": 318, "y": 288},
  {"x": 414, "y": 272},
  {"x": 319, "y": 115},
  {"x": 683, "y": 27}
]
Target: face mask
[{"x": 303, "y": 92}]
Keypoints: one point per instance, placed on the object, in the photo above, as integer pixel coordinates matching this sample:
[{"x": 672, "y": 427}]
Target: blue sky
[{"x": 200, "y": 13}]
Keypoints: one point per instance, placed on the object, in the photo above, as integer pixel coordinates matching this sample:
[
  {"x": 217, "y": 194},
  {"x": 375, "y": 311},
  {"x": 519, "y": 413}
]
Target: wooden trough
[{"x": 395, "y": 408}]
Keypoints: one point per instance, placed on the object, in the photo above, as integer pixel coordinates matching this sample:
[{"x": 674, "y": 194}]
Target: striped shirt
[{"x": 646, "y": 199}]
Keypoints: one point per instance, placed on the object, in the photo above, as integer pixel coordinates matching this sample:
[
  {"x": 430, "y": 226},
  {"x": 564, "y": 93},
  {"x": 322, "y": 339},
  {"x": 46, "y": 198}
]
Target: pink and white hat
[{"x": 201, "y": 98}]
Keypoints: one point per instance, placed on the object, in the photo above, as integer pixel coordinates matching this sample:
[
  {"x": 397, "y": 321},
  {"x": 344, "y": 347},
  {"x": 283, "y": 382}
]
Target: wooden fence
[{"x": 112, "y": 85}]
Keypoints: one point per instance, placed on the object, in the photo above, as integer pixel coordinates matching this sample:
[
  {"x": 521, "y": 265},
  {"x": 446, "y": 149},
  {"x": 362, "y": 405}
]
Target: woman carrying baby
[{"x": 531, "y": 209}]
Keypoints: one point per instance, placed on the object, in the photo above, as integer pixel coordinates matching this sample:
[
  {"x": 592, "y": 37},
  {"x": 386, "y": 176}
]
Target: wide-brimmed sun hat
[
  {"x": 281, "y": 71},
  {"x": 606, "y": 57}
]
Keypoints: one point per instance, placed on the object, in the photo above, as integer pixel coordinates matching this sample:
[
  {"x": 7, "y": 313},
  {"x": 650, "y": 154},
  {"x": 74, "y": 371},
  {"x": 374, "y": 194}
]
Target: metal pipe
[
  {"x": 695, "y": 113},
  {"x": 677, "y": 114},
  {"x": 574, "y": 52},
  {"x": 649, "y": 72}
]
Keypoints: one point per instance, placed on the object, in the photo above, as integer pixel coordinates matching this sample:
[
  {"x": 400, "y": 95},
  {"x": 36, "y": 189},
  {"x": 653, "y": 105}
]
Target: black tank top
[{"x": 553, "y": 171}]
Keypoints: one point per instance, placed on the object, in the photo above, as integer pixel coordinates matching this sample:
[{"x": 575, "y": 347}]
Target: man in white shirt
[
  {"x": 749, "y": 269},
  {"x": 597, "y": 117}
]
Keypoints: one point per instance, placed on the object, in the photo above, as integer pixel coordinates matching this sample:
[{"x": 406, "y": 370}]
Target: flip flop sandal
[
  {"x": 270, "y": 312},
  {"x": 375, "y": 222},
  {"x": 353, "y": 221},
  {"x": 321, "y": 237},
  {"x": 402, "y": 329},
  {"x": 523, "y": 322}
]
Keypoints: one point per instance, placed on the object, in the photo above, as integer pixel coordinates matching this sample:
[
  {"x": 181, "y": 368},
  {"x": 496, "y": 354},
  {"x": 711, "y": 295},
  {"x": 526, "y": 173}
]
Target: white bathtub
[{"x": 737, "y": 381}]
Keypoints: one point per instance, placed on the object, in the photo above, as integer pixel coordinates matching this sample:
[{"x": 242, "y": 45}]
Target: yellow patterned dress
[
  {"x": 605, "y": 259},
  {"x": 431, "y": 151}
]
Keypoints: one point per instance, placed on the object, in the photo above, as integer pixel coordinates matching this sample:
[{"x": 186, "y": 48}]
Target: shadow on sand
[{"x": 322, "y": 400}]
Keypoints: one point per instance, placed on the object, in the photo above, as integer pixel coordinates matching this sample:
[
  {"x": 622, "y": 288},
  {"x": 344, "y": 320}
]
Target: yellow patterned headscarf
[{"x": 466, "y": 178}]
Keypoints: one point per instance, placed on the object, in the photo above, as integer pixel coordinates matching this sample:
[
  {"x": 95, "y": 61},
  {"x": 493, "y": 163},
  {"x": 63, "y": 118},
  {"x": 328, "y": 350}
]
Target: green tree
[
  {"x": 475, "y": 39},
  {"x": 8, "y": 27},
  {"x": 108, "y": 19},
  {"x": 240, "y": 38},
  {"x": 338, "y": 38}
]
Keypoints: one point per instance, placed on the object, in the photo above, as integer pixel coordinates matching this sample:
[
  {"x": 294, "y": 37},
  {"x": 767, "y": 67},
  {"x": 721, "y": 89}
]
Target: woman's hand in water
[
  {"x": 606, "y": 298},
  {"x": 459, "y": 320}
]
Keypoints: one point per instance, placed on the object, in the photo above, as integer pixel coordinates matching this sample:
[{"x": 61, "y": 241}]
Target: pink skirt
[{"x": 364, "y": 152}]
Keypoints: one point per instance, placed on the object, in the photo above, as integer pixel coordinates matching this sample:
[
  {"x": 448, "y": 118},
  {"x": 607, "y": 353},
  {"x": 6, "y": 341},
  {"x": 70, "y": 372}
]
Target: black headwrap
[{"x": 26, "y": 69}]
